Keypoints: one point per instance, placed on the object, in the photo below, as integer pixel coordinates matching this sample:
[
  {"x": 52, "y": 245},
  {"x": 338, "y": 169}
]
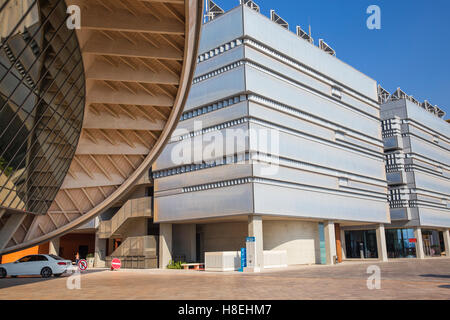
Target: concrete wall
[
  {"x": 134, "y": 227},
  {"x": 183, "y": 241},
  {"x": 300, "y": 239},
  {"x": 228, "y": 236}
]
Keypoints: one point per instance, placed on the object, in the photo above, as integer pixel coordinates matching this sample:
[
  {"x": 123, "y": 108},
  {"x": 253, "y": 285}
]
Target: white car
[{"x": 36, "y": 264}]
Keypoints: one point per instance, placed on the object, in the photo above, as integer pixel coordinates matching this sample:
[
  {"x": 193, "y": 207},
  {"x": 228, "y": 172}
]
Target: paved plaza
[{"x": 400, "y": 279}]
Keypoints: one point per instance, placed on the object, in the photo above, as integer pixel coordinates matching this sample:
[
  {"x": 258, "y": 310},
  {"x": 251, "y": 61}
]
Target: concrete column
[
  {"x": 419, "y": 244},
  {"x": 381, "y": 243},
  {"x": 100, "y": 252},
  {"x": 165, "y": 244},
  {"x": 330, "y": 241},
  {"x": 255, "y": 229},
  {"x": 53, "y": 246},
  {"x": 446, "y": 234}
]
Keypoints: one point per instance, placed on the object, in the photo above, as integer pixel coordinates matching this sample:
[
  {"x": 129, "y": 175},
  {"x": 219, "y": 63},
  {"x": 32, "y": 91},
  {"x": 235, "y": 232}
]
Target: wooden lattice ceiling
[{"x": 139, "y": 58}]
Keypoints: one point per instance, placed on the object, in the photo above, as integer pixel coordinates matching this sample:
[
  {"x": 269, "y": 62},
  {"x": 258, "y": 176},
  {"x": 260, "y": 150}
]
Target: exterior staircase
[
  {"x": 137, "y": 253},
  {"x": 133, "y": 208}
]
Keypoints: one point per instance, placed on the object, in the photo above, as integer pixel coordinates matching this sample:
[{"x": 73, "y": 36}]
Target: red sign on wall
[{"x": 412, "y": 240}]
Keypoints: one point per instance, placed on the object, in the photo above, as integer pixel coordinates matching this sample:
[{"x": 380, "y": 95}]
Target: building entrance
[
  {"x": 361, "y": 244},
  {"x": 433, "y": 243},
  {"x": 401, "y": 243}
]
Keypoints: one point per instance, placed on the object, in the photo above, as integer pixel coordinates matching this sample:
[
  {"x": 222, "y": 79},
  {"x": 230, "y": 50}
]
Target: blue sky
[{"x": 411, "y": 51}]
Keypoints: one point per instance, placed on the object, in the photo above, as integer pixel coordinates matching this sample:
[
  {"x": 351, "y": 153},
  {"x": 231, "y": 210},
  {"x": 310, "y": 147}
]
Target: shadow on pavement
[
  {"x": 22, "y": 280},
  {"x": 442, "y": 276},
  {"x": 445, "y": 286}
]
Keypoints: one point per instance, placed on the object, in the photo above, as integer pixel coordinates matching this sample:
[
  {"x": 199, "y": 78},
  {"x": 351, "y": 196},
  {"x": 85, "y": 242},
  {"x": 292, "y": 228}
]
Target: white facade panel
[
  {"x": 307, "y": 101},
  {"x": 299, "y": 202},
  {"x": 212, "y": 203},
  {"x": 261, "y": 28},
  {"x": 228, "y": 84}
]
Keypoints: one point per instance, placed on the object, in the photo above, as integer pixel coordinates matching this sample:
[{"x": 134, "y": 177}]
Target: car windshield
[{"x": 55, "y": 257}]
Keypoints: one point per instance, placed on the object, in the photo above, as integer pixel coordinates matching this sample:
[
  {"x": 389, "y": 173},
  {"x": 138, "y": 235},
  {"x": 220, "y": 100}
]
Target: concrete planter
[{"x": 90, "y": 262}]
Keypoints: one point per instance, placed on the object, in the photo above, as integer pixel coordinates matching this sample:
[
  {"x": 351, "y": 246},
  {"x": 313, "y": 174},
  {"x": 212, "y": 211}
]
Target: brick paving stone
[{"x": 401, "y": 279}]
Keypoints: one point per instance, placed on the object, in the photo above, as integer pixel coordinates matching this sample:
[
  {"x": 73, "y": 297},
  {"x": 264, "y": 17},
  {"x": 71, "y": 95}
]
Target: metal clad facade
[
  {"x": 417, "y": 155},
  {"x": 259, "y": 76}
]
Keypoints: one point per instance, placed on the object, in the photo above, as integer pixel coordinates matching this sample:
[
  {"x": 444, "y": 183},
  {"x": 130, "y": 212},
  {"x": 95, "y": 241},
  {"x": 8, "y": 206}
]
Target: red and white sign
[
  {"x": 412, "y": 240},
  {"x": 115, "y": 264},
  {"x": 82, "y": 264}
]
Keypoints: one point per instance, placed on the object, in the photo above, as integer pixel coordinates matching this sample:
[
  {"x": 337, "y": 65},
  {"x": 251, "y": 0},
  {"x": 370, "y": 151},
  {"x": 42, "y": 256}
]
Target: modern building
[
  {"x": 417, "y": 149},
  {"x": 318, "y": 175},
  {"x": 279, "y": 141},
  {"x": 85, "y": 111}
]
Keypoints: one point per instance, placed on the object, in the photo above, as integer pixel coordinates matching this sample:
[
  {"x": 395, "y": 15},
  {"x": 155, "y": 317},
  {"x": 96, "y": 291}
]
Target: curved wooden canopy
[{"x": 139, "y": 60}]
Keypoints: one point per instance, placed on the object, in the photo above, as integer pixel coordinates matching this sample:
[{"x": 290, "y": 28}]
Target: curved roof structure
[{"x": 138, "y": 58}]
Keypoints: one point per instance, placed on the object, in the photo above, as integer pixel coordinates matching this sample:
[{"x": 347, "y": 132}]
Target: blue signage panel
[
  {"x": 250, "y": 239},
  {"x": 243, "y": 259}
]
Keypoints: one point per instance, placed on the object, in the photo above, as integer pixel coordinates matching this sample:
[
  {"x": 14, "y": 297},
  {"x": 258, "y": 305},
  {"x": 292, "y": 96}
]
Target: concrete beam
[
  {"x": 10, "y": 227},
  {"x": 106, "y": 121},
  {"x": 97, "y": 18},
  {"x": 121, "y": 47},
  {"x": 104, "y": 71},
  {"x": 102, "y": 94}
]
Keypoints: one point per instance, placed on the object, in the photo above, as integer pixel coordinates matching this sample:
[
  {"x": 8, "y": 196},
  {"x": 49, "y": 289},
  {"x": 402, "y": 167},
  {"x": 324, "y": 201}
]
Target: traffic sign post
[
  {"x": 115, "y": 264},
  {"x": 82, "y": 265}
]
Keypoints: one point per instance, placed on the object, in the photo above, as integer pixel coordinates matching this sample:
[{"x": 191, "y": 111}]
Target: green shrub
[
  {"x": 89, "y": 255},
  {"x": 3, "y": 163},
  {"x": 175, "y": 264}
]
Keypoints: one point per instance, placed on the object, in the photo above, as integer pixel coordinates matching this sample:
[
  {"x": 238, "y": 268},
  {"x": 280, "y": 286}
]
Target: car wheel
[
  {"x": 57, "y": 275},
  {"x": 46, "y": 272},
  {"x": 2, "y": 273}
]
